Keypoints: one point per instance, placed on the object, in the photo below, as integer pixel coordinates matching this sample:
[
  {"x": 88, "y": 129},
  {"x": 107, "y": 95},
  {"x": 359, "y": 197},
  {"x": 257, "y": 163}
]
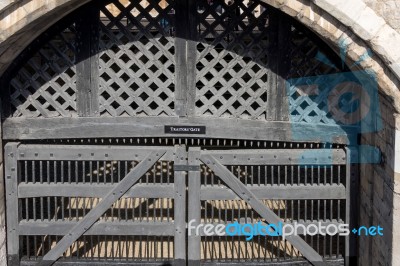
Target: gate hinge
[{"x": 182, "y": 167}]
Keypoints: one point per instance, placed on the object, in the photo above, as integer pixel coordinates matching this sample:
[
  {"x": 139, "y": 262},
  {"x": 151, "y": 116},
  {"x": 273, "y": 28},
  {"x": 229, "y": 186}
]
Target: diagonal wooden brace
[
  {"x": 116, "y": 193},
  {"x": 245, "y": 194}
]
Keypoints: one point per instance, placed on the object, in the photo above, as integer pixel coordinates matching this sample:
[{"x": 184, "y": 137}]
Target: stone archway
[{"x": 23, "y": 17}]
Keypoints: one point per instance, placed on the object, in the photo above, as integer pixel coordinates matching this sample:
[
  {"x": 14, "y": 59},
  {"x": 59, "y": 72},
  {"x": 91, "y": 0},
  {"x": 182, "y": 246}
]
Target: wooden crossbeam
[
  {"x": 245, "y": 194},
  {"x": 115, "y": 194}
]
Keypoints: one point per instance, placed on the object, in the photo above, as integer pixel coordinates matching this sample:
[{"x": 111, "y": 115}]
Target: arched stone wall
[{"x": 21, "y": 21}]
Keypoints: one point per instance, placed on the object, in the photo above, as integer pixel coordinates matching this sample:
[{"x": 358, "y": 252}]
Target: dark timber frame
[{"x": 179, "y": 66}]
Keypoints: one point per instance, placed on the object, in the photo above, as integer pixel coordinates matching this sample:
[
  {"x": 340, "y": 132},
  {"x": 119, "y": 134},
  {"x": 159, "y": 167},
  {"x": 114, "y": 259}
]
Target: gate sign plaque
[{"x": 185, "y": 130}]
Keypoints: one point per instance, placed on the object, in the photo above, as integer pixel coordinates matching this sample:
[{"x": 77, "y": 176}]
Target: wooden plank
[
  {"x": 180, "y": 75},
  {"x": 270, "y": 217},
  {"x": 117, "y": 192},
  {"x": 278, "y": 192},
  {"x": 31, "y": 190},
  {"x": 120, "y": 127},
  {"x": 80, "y": 262},
  {"x": 180, "y": 206},
  {"x": 181, "y": 58},
  {"x": 283, "y": 67},
  {"x": 352, "y": 202},
  {"x": 191, "y": 48},
  {"x": 6, "y": 99},
  {"x": 12, "y": 204},
  {"x": 120, "y": 228},
  {"x": 87, "y": 67},
  {"x": 280, "y": 157},
  {"x": 191, "y": 56},
  {"x": 86, "y": 152},
  {"x": 194, "y": 207},
  {"x": 348, "y": 190},
  {"x": 73, "y": 262},
  {"x": 300, "y": 230},
  {"x": 273, "y": 100}
]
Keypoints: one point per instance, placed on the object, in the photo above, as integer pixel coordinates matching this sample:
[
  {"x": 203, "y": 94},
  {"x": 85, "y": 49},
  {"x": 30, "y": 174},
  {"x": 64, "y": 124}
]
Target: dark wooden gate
[
  {"x": 58, "y": 196},
  {"x": 68, "y": 201},
  {"x": 270, "y": 185}
]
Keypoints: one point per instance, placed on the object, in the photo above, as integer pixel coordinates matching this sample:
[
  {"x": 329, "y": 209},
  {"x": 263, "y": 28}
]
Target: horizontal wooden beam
[
  {"x": 339, "y": 261},
  {"x": 99, "y": 228},
  {"x": 129, "y": 228},
  {"x": 125, "y": 127},
  {"x": 279, "y": 156},
  {"x": 278, "y": 192},
  {"x": 300, "y": 229},
  {"x": 89, "y": 153},
  {"x": 31, "y": 190},
  {"x": 101, "y": 262},
  {"x": 128, "y": 262}
]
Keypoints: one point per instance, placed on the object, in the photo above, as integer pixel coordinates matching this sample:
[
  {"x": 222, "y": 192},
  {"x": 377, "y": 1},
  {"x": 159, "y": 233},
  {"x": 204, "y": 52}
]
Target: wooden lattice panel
[
  {"x": 136, "y": 60},
  {"x": 306, "y": 106},
  {"x": 232, "y": 60},
  {"x": 307, "y": 103},
  {"x": 45, "y": 86}
]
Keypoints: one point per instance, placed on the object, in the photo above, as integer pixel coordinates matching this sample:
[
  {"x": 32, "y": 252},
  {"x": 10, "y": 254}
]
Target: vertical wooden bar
[
  {"x": 194, "y": 208},
  {"x": 185, "y": 57},
  {"x": 191, "y": 51},
  {"x": 273, "y": 28},
  {"x": 12, "y": 206},
  {"x": 6, "y": 102},
  {"x": 180, "y": 75},
  {"x": 87, "y": 67},
  {"x": 284, "y": 31},
  {"x": 352, "y": 203},
  {"x": 279, "y": 64},
  {"x": 180, "y": 206},
  {"x": 180, "y": 58},
  {"x": 348, "y": 181}
]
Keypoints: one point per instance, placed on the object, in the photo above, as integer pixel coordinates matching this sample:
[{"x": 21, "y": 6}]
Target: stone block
[
  {"x": 368, "y": 24},
  {"x": 386, "y": 43},
  {"x": 395, "y": 67},
  {"x": 388, "y": 194},
  {"x": 345, "y": 11},
  {"x": 396, "y": 183},
  {"x": 3, "y": 252},
  {"x": 378, "y": 186},
  {"x": 5, "y": 3}
]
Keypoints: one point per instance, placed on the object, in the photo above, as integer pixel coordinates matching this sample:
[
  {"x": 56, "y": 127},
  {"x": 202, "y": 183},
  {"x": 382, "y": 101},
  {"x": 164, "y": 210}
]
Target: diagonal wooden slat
[
  {"x": 244, "y": 193},
  {"x": 150, "y": 50},
  {"x": 40, "y": 88},
  {"x": 117, "y": 192},
  {"x": 233, "y": 48}
]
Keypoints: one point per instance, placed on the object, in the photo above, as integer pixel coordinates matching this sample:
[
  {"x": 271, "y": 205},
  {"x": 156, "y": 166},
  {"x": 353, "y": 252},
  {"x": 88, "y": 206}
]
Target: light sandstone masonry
[
  {"x": 379, "y": 193},
  {"x": 387, "y": 9}
]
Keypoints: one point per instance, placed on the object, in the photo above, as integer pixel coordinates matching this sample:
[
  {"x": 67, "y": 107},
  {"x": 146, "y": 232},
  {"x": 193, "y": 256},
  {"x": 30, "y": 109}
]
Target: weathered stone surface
[
  {"x": 396, "y": 68},
  {"x": 347, "y": 12},
  {"x": 3, "y": 253},
  {"x": 5, "y": 3},
  {"x": 386, "y": 44},
  {"x": 388, "y": 10},
  {"x": 369, "y": 24}
]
